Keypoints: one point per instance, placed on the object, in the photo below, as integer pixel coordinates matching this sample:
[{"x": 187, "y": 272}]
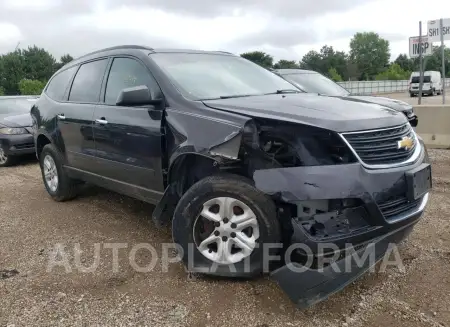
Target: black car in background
[
  {"x": 314, "y": 82},
  {"x": 239, "y": 162},
  {"x": 15, "y": 128}
]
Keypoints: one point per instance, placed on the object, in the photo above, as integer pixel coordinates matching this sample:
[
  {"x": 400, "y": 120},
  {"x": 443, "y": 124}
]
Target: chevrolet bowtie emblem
[{"x": 406, "y": 143}]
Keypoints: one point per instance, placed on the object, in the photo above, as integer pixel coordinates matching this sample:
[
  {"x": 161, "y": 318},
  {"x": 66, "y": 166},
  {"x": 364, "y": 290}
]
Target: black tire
[
  {"x": 10, "y": 160},
  {"x": 189, "y": 207},
  {"x": 67, "y": 187},
  {"x": 411, "y": 95}
]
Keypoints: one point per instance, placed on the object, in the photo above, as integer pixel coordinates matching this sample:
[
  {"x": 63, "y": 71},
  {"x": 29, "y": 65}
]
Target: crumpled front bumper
[
  {"x": 350, "y": 181},
  {"x": 311, "y": 286}
]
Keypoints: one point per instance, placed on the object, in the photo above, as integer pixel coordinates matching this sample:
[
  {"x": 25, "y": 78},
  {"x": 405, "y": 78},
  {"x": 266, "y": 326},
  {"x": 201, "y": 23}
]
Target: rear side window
[
  {"x": 426, "y": 79},
  {"x": 87, "y": 82},
  {"x": 58, "y": 85},
  {"x": 124, "y": 73}
]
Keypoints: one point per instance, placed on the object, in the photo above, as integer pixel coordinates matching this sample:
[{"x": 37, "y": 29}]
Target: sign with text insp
[
  {"x": 415, "y": 47},
  {"x": 434, "y": 30}
]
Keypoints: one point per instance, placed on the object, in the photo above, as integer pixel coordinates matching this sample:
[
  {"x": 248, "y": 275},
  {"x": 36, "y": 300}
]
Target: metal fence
[{"x": 377, "y": 87}]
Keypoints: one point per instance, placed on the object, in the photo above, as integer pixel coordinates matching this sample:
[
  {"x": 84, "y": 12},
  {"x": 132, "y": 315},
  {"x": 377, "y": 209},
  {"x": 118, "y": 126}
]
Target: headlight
[{"x": 13, "y": 130}]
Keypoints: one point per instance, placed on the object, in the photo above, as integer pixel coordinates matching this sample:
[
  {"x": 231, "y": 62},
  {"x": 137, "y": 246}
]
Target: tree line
[
  {"x": 368, "y": 59},
  {"x": 26, "y": 71}
]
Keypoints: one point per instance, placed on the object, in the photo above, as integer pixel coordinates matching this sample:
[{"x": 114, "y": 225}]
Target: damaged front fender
[{"x": 218, "y": 137}]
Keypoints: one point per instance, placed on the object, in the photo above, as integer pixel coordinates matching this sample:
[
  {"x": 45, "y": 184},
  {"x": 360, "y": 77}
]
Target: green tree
[
  {"x": 334, "y": 75},
  {"x": 334, "y": 59},
  {"x": 393, "y": 73},
  {"x": 2, "y": 90},
  {"x": 406, "y": 63},
  {"x": 434, "y": 61},
  {"x": 258, "y": 57},
  {"x": 31, "y": 87},
  {"x": 65, "y": 59},
  {"x": 326, "y": 59},
  {"x": 11, "y": 72},
  {"x": 312, "y": 61},
  {"x": 286, "y": 64},
  {"x": 370, "y": 52},
  {"x": 38, "y": 63}
]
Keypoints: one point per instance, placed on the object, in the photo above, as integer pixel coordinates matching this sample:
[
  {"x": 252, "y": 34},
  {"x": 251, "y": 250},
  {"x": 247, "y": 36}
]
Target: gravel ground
[{"x": 31, "y": 225}]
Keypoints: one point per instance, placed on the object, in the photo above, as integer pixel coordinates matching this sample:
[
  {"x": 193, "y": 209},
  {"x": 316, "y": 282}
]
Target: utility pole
[
  {"x": 421, "y": 63},
  {"x": 443, "y": 61}
]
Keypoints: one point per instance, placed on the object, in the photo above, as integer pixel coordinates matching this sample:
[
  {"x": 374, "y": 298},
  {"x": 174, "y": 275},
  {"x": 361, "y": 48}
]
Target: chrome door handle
[
  {"x": 101, "y": 121},
  {"x": 61, "y": 116}
]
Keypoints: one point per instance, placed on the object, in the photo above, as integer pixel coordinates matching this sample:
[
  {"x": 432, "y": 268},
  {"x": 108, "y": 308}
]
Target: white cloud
[
  {"x": 38, "y": 5},
  {"x": 275, "y": 26},
  {"x": 10, "y": 35},
  {"x": 198, "y": 32}
]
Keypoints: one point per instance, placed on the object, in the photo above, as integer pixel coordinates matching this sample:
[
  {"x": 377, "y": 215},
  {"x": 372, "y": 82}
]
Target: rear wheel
[
  {"x": 222, "y": 223},
  {"x": 5, "y": 160}
]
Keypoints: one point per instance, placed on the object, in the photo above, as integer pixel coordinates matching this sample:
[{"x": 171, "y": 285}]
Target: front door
[
  {"x": 75, "y": 116},
  {"x": 128, "y": 139}
]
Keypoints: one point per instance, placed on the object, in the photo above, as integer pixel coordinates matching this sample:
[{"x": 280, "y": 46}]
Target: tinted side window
[
  {"x": 59, "y": 83},
  {"x": 87, "y": 82},
  {"x": 126, "y": 72}
]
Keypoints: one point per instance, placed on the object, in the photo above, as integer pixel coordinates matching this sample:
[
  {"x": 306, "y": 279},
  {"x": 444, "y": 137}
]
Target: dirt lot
[{"x": 31, "y": 225}]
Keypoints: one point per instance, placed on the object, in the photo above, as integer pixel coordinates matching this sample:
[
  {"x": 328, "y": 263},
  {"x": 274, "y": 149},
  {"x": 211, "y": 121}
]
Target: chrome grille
[{"x": 382, "y": 146}]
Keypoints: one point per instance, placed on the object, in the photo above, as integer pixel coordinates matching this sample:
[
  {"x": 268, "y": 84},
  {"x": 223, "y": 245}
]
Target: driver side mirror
[{"x": 136, "y": 96}]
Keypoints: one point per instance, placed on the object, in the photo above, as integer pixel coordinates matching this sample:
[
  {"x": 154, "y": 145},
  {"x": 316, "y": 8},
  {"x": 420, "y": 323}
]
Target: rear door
[
  {"x": 74, "y": 118},
  {"x": 128, "y": 139}
]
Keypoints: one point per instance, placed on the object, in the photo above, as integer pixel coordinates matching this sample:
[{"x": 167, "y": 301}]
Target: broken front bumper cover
[
  {"x": 373, "y": 188},
  {"x": 311, "y": 286}
]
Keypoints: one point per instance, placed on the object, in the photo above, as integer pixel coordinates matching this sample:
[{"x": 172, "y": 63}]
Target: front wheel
[
  {"x": 5, "y": 160},
  {"x": 222, "y": 224}
]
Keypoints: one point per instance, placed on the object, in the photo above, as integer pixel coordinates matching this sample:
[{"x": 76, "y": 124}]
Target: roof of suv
[
  {"x": 294, "y": 71},
  {"x": 144, "y": 48}
]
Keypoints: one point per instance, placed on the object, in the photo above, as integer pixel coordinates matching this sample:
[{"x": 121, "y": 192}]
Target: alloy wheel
[
  {"x": 3, "y": 156},
  {"x": 50, "y": 173},
  {"x": 226, "y": 230}
]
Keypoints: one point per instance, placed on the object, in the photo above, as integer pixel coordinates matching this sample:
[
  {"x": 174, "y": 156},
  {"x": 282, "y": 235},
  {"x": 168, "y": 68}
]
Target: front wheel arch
[
  {"x": 41, "y": 142},
  {"x": 180, "y": 178},
  {"x": 188, "y": 168}
]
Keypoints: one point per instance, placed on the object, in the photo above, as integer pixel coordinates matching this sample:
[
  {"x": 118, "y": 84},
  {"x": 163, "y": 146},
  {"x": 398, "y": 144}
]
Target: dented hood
[{"x": 337, "y": 114}]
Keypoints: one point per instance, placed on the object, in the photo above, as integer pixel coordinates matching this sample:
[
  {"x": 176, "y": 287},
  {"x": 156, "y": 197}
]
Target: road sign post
[
  {"x": 439, "y": 31},
  {"x": 421, "y": 64},
  {"x": 443, "y": 60}
]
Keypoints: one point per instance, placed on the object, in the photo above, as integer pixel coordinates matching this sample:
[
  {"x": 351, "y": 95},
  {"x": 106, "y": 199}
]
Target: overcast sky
[{"x": 287, "y": 29}]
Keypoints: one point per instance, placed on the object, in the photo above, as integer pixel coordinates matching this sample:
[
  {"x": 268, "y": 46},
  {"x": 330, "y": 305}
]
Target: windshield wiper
[
  {"x": 236, "y": 96},
  {"x": 250, "y": 95},
  {"x": 284, "y": 91}
]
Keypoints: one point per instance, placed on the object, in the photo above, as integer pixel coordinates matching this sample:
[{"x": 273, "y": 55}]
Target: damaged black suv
[{"x": 235, "y": 158}]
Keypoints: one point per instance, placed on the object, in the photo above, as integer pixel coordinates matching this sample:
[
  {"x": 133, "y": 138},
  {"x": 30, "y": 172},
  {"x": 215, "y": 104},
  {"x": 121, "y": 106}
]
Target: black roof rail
[
  {"x": 226, "y": 52},
  {"x": 137, "y": 47}
]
